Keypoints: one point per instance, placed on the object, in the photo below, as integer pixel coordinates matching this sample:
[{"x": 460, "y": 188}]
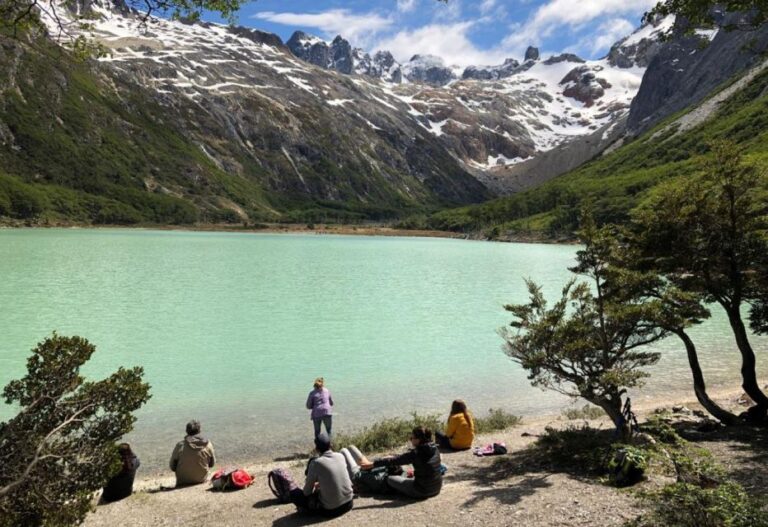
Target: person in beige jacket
[{"x": 192, "y": 457}]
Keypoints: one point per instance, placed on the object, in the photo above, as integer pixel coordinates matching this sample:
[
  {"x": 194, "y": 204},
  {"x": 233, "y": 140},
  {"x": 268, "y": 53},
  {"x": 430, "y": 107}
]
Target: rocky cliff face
[
  {"x": 340, "y": 56},
  {"x": 487, "y": 73},
  {"x": 428, "y": 69},
  {"x": 690, "y": 66}
]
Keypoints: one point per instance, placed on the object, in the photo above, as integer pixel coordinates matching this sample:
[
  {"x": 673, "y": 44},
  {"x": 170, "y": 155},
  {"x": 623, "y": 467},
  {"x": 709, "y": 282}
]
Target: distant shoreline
[{"x": 383, "y": 230}]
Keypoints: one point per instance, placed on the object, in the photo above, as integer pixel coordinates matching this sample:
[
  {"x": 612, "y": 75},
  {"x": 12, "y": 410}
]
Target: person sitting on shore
[
  {"x": 120, "y": 485},
  {"x": 320, "y": 402},
  {"x": 328, "y": 488},
  {"x": 192, "y": 457},
  {"x": 427, "y": 478},
  {"x": 460, "y": 430}
]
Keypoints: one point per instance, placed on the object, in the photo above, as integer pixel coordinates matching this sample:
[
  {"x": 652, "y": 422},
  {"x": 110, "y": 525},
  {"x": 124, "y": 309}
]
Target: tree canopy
[
  {"x": 60, "y": 447},
  {"x": 707, "y": 235},
  {"x": 591, "y": 342},
  {"x": 700, "y": 12}
]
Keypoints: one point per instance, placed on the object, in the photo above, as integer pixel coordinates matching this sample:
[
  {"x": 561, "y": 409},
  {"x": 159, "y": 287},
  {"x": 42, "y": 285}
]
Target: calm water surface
[{"x": 232, "y": 328}]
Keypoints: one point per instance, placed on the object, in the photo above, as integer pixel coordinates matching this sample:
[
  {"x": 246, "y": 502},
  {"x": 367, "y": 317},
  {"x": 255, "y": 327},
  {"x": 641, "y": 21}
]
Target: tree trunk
[
  {"x": 700, "y": 388},
  {"x": 748, "y": 362},
  {"x": 612, "y": 407}
]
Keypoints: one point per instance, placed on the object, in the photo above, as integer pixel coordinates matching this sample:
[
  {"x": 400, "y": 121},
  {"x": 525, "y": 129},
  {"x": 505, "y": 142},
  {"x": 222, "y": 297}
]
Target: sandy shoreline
[{"x": 383, "y": 230}]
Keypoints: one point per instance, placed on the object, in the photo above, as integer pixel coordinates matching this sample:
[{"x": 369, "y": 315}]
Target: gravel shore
[{"x": 492, "y": 491}]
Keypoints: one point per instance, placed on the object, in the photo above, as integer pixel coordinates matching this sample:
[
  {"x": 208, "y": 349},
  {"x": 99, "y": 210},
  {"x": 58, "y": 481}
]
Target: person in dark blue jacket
[{"x": 120, "y": 486}]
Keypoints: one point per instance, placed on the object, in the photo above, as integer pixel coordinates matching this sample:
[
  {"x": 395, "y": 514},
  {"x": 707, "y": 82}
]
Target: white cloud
[
  {"x": 447, "y": 12},
  {"x": 406, "y": 6},
  {"x": 556, "y": 14},
  {"x": 565, "y": 12},
  {"x": 449, "y": 41},
  {"x": 486, "y": 6},
  {"x": 358, "y": 28},
  {"x": 594, "y": 26},
  {"x": 609, "y": 32}
]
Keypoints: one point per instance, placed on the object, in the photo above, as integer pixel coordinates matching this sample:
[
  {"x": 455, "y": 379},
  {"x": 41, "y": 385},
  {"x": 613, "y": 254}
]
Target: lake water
[{"x": 232, "y": 328}]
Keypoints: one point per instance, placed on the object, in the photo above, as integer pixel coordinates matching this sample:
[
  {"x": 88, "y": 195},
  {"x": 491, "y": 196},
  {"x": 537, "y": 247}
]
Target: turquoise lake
[{"x": 232, "y": 328}]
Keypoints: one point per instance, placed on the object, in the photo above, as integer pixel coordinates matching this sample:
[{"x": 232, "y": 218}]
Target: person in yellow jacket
[{"x": 460, "y": 430}]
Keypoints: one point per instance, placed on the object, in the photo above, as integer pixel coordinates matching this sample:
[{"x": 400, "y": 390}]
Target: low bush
[
  {"x": 497, "y": 419},
  {"x": 582, "y": 448},
  {"x": 387, "y": 434},
  {"x": 394, "y": 433},
  {"x": 588, "y": 412},
  {"x": 688, "y": 505},
  {"x": 413, "y": 222},
  {"x": 662, "y": 431}
]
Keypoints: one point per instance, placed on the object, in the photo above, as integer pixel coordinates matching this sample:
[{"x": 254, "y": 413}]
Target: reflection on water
[{"x": 232, "y": 328}]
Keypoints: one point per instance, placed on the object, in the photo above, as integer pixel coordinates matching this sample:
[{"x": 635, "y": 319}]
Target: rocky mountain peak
[
  {"x": 531, "y": 53},
  {"x": 428, "y": 69},
  {"x": 509, "y": 68},
  {"x": 335, "y": 56},
  {"x": 639, "y": 48},
  {"x": 564, "y": 57}
]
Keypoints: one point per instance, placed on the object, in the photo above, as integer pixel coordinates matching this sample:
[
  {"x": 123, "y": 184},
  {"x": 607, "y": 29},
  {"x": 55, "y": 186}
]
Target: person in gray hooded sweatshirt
[{"x": 192, "y": 457}]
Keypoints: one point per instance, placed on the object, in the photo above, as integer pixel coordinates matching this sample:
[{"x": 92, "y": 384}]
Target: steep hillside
[
  {"x": 74, "y": 146},
  {"x": 616, "y": 181},
  {"x": 221, "y": 123}
]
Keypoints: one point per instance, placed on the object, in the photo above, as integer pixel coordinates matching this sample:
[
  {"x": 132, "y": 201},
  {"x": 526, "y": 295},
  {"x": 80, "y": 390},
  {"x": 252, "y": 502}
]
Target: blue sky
[{"x": 463, "y": 31}]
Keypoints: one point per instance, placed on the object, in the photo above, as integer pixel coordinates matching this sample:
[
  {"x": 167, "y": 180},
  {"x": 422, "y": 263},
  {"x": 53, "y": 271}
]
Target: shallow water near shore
[{"x": 232, "y": 328}]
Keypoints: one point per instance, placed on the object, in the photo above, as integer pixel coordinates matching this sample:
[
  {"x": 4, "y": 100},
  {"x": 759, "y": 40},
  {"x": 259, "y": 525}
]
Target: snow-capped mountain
[
  {"x": 340, "y": 56},
  {"x": 485, "y": 118},
  {"x": 497, "y": 116}
]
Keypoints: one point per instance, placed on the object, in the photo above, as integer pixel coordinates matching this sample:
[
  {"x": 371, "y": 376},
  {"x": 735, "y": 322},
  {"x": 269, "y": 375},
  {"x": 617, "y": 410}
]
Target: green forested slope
[
  {"x": 616, "y": 182},
  {"x": 82, "y": 143},
  {"x": 73, "y": 148}
]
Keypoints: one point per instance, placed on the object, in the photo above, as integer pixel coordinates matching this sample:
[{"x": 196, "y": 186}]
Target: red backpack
[
  {"x": 281, "y": 484},
  {"x": 231, "y": 479}
]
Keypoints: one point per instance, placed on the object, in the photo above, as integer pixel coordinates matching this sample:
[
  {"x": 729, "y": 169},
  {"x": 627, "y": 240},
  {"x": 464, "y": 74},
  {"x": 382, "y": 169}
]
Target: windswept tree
[
  {"x": 23, "y": 14},
  {"x": 700, "y": 12},
  {"x": 592, "y": 342},
  {"x": 707, "y": 235},
  {"x": 60, "y": 447},
  {"x": 680, "y": 311}
]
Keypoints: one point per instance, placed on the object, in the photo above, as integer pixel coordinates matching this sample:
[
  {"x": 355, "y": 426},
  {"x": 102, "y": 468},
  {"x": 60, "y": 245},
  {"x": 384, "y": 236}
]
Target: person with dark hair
[
  {"x": 427, "y": 478},
  {"x": 320, "y": 402},
  {"x": 192, "y": 457},
  {"x": 328, "y": 489},
  {"x": 120, "y": 485},
  {"x": 460, "y": 430}
]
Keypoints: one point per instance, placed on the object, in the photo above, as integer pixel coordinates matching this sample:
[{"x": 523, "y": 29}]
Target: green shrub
[
  {"x": 588, "y": 412},
  {"x": 387, "y": 434},
  {"x": 627, "y": 465},
  {"x": 662, "y": 431},
  {"x": 413, "y": 222},
  {"x": 687, "y": 505},
  {"x": 583, "y": 448},
  {"x": 497, "y": 419},
  {"x": 117, "y": 214}
]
